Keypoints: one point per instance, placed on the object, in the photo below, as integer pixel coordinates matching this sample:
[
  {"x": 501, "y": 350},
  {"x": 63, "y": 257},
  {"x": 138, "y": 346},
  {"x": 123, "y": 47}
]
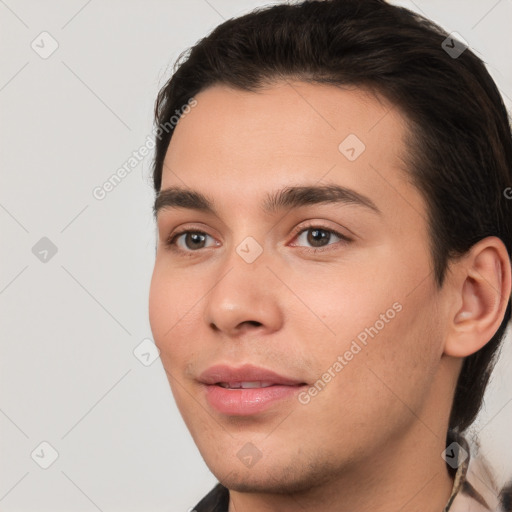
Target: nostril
[{"x": 253, "y": 322}]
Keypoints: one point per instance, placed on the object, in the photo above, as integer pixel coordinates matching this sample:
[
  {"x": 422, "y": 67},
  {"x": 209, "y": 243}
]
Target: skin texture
[{"x": 383, "y": 418}]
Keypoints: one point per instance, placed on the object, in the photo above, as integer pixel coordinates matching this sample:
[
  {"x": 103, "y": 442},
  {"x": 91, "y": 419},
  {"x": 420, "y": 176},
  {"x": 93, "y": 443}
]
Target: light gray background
[{"x": 69, "y": 325}]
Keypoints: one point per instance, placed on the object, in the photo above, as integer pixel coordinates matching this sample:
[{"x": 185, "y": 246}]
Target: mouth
[
  {"x": 247, "y": 390},
  {"x": 246, "y": 385}
]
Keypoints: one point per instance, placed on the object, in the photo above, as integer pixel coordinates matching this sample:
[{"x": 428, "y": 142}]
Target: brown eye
[
  {"x": 188, "y": 241},
  {"x": 195, "y": 240},
  {"x": 316, "y": 237}
]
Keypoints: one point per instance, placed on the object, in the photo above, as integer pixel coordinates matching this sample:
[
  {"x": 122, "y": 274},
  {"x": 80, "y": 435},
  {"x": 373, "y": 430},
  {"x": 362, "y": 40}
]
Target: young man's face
[{"x": 356, "y": 316}]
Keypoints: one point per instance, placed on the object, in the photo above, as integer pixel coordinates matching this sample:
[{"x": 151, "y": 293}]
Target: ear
[{"x": 481, "y": 284}]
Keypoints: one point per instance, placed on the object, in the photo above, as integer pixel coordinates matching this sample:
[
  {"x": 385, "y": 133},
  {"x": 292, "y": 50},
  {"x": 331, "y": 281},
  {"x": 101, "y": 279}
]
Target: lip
[{"x": 246, "y": 401}]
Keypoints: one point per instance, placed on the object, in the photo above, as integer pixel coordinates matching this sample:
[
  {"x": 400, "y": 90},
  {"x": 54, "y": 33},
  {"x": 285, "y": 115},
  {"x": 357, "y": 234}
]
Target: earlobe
[{"x": 483, "y": 286}]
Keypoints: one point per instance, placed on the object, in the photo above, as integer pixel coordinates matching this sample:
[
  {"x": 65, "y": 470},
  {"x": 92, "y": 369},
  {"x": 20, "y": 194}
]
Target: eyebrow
[{"x": 288, "y": 197}]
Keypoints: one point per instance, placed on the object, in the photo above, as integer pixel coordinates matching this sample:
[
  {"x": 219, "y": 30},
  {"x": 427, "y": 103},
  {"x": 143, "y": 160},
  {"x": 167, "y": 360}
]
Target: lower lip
[{"x": 243, "y": 402}]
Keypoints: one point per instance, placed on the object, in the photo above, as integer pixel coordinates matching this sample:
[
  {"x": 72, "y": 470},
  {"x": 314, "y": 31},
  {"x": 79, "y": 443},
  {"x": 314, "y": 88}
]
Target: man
[{"x": 332, "y": 277}]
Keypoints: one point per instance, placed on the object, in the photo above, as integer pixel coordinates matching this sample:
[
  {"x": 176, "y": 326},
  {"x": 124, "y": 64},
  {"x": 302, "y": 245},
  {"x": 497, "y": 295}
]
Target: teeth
[
  {"x": 256, "y": 384},
  {"x": 246, "y": 385}
]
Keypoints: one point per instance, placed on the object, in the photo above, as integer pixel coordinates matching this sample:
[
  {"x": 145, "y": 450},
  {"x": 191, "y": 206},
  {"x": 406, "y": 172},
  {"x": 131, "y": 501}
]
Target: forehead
[{"x": 244, "y": 143}]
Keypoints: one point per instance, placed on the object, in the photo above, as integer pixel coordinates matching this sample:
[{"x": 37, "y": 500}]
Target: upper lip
[{"x": 247, "y": 373}]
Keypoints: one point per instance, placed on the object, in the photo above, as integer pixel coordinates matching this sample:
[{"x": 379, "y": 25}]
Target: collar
[{"x": 461, "y": 457}]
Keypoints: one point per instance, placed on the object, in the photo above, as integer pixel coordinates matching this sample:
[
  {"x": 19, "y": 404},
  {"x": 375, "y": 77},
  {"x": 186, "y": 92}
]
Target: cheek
[
  {"x": 377, "y": 383},
  {"x": 342, "y": 304},
  {"x": 171, "y": 311},
  {"x": 172, "y": 308},
  {"x": 381, "y": 322},
  {"x": 160, "y": 304},
  {"x": 400, "y": 357}
]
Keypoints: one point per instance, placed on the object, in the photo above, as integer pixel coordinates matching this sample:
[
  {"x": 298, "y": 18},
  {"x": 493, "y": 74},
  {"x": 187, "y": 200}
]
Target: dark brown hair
[{"x": 460, "y": 145}]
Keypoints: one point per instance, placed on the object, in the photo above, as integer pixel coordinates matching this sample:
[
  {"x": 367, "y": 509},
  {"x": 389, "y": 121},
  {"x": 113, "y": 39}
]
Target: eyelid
[
  {"x": 171, "y": 239},
  {"x": 314, "y": 224},
  {"x": 319, "y": 225},
  {"x": 193, "y": 227}
]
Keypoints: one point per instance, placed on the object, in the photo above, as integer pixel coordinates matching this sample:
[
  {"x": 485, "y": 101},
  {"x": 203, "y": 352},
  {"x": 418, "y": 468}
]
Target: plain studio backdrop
[{"x": 78, "y": 80}]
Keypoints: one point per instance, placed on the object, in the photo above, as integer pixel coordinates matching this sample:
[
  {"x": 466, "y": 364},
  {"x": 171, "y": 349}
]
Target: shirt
[{"x": 473, "y": 489}]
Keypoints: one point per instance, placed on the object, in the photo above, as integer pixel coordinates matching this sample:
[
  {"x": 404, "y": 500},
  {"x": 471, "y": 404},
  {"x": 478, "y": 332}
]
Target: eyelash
[{"x": 171, "y": 240}]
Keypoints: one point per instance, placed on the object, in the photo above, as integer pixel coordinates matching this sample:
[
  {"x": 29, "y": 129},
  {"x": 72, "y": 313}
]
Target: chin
[
  {"x": 272, "y": 477},
  {"x": 266, "y": 483}
]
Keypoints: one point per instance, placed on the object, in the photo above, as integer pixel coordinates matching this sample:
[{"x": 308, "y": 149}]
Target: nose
[{"x": 244, "y": 299}]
